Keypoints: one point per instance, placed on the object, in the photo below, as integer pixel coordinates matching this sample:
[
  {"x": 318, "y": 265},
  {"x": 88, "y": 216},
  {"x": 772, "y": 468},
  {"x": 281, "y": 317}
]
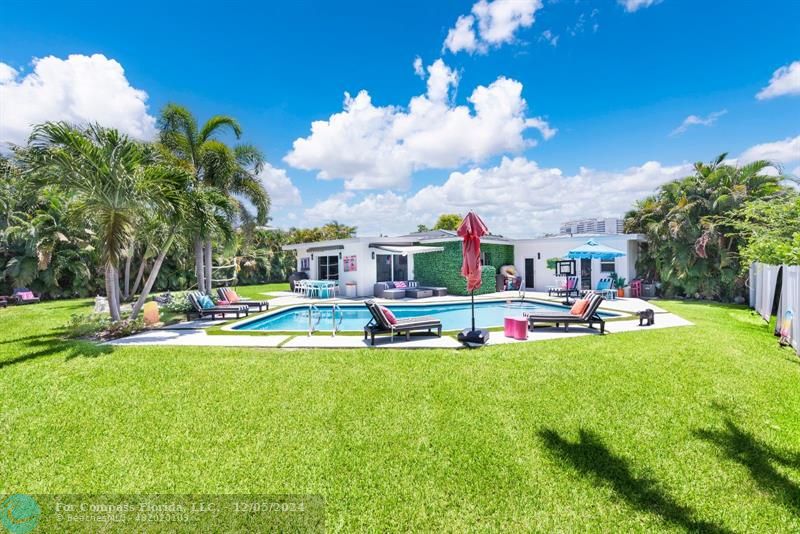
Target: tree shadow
[
  {"x": 592, "y": 458},
  {"x": 49, "y": 344},
  {"x": 758, "y": 458}
]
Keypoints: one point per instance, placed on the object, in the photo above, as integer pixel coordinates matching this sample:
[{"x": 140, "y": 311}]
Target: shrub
[
  {"x": 87, "y": 325},
  {"x": 176, "y": 302},
  {"x": 123, "y": 328},
  {"x": 100, "y": 326}
]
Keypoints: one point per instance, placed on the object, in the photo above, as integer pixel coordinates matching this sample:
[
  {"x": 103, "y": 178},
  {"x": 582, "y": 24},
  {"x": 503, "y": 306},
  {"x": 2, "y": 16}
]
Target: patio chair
[
  {"x": 197, "y": 299},
  {"x": 23, "y": 295},
  {"x": 589, "y": 316},
  {"x": 605, "y": 286},
  {"x": 568, "y": 289},
  {"x": 299, "y": 287},
  {"x": 379, "y": 324},
  {"x": 229, "y": 295}
]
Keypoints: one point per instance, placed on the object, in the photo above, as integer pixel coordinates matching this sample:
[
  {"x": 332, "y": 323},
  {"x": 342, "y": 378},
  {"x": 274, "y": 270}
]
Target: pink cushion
[
  {"x": 388, "y": 314},
  {"x": 26, "y": 295},
  {"x": 579, "y": 307},
  {"x": 233, "y": 298},
  {"x": 400, "y": 285}
]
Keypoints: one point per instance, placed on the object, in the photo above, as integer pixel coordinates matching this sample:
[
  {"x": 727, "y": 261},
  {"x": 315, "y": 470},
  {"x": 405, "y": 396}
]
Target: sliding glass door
[{"x": 391, "y": 267}]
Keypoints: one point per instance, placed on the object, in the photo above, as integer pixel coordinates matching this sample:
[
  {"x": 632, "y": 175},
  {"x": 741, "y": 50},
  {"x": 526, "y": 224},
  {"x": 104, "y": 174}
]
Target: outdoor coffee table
[
  {"x": 439, "y": 291},
  {"x": 419, "y": 293}
]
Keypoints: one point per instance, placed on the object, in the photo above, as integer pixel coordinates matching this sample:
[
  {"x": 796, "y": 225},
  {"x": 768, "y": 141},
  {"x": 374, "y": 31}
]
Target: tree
[
  {"x": 231, "y": 170},
  {"x": 112, "y": 180},
  {"x": 769, "y": 229},
  {"x": 448, "y": 221},
  {"x": 691, "y": 246}
]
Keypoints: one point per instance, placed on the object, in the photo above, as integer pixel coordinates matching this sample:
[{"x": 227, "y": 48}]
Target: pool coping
[{"x": 231, "y": 327}]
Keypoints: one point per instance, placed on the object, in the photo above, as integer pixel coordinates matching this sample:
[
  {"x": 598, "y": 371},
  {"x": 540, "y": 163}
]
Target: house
[{"x": 434, "y": 258}]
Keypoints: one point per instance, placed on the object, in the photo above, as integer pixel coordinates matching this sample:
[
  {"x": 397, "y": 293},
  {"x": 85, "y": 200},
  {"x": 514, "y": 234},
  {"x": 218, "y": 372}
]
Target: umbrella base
[{"x": 473, "y": 338}]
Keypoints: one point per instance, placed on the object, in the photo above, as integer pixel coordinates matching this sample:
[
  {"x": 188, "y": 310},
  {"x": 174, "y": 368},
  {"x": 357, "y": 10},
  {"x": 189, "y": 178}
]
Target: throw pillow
[
  {"x": 579, "y": 307},
  {"x": 389, "y": 285},
  {"x": 26, "y": 295},
  {"x": 388, "y": 314},
  {"x": 400, "y": 285},
  {"x": 233, "y": 297},
  {"x": 206, "y": 302}
]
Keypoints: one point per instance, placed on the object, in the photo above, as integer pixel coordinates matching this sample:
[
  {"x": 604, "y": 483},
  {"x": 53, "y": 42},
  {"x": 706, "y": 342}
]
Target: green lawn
[{"x": 693, "y": 428}]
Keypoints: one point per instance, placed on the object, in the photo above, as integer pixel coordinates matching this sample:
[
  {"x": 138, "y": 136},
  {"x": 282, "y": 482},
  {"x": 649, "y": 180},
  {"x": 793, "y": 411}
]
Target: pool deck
[{"x": 193, "y": 333}]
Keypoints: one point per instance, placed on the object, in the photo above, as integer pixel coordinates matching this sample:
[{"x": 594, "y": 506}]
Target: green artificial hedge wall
[{"x": 443, "y": 269}]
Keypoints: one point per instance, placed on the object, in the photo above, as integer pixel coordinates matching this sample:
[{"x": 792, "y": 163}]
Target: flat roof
[{"x": 444, "y": 236}]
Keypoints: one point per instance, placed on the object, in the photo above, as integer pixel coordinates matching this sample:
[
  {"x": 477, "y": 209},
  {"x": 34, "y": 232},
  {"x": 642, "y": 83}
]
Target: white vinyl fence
[{"x": 763, "y": 280}]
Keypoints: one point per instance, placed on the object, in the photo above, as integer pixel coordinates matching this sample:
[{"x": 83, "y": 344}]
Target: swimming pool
[{"x": 454, "y": 316}]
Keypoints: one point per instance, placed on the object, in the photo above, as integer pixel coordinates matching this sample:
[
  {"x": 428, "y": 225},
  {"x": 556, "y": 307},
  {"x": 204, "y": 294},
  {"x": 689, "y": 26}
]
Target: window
[
  {"x": 328, "y": 267},
  {"x": 608, "y": 266},
  {"x": 486, "y": 258},
  {"x": 391, "y": 267}
]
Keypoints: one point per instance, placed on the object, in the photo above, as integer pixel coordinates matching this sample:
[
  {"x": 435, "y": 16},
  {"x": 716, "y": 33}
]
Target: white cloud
[
  {"x": 634, "y": 5},
  {"x": 418, "y": 67},
  {"x": 515, "y": 198},
  {"x": 490, "y": 24},
  {"x": 784, "y": 81},
  {"x": 78, "y": 89},
  {"x": 374, "y": 147},
  {"x": 782, "y": 152},
  {"x": 694, "y": 120},
  {"x": 7, "y": 73},
  {"x": 548, "y": 36},
  {"x": 279, "y": 186}
]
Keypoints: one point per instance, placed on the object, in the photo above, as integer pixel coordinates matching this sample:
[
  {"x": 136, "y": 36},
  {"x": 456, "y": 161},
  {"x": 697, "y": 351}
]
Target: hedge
[{"x": 443, "y": 269}]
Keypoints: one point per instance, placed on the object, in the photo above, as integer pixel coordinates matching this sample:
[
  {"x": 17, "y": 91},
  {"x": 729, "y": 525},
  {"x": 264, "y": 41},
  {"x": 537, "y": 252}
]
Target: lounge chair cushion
[
  {"x": 26, "y": 295},
  {"x": 579, "y": 307},
  {"x": 388, "y": 314},
  {"x": 205, "y": 302}
]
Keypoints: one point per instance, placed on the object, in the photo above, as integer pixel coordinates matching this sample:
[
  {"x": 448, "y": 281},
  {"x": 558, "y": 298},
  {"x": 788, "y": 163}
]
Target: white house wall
[
  {"x": 543, "y": 249},
  {"x": 365, "y": 274}
]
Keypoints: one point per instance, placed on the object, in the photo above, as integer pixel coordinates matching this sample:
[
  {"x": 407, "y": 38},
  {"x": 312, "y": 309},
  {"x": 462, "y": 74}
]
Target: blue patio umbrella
[{"x": 594, "y": 250}]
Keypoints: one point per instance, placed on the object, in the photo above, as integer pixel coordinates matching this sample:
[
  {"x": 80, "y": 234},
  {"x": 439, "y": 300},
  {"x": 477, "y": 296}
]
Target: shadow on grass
[
  {"x": 592, "y": 458},
  {"x": 758, "y": 458},
  {"x": 47, "y": 345}
]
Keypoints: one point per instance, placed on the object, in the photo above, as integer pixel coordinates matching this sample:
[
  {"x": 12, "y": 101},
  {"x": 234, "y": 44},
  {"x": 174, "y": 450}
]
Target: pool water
[{"x": 454, "y": 316}]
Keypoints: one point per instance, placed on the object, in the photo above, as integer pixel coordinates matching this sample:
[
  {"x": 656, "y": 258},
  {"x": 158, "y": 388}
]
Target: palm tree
[
  {"x": 692, "y": 247},
  {"x": 113, "y": 180},
  {"x": 230, "y": 170}
]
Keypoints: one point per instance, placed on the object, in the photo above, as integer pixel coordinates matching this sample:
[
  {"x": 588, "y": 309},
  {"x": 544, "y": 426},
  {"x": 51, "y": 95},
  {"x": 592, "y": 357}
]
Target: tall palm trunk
[
  {"x": 151, "y": 278},
  {"x": 199, "y": 270},
  {"x": 126, "y": 293},
  {"x": 112, "y": 285},
  {"x": 208, "y": 261},
  {"x": 139, "y": 274}
]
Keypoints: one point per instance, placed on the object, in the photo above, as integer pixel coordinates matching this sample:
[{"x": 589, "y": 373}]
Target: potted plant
[{"x": 620, "y": 283}]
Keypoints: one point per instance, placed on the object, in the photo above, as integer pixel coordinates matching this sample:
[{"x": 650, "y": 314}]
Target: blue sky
[{"x": 602, "y": 89}]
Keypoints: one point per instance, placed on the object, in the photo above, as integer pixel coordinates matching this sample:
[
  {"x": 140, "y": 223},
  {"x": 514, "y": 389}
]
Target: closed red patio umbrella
[{"x": 471, "y": 229}]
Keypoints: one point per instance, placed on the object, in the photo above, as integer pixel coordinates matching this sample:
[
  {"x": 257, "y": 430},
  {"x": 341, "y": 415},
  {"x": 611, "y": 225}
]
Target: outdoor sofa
[
  {"x": 589, "y": 316},
  {"x": 380, "y": 324},
  {"x": 23, "y": 295},
  {"x": 231, "y": 297},
  {"x": 412, "y": 289},
  {"x": 196, "y": 299}
]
